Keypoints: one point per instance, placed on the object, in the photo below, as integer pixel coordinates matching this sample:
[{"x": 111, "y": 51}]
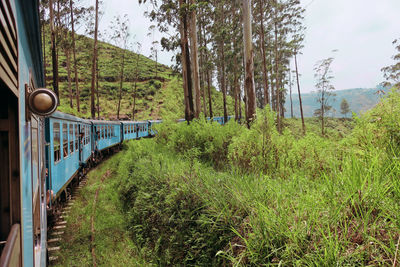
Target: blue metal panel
[{"x": 63, "y": 170}]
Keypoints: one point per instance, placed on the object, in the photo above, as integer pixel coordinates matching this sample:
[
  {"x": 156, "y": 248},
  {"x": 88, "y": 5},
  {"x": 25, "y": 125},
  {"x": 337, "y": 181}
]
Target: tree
[
  {"x": 54, "y": 51},
  {"x": 121, "y": 37},
  {"x": 94, "y": 60},
  {"x": 154, "y": 48},
  {"x": 392, "y": 73},
  {"x": 74, "y": 56},
  {"x": 344, "y": 107},
  {"x": 249, "y": 62},
  {"x": 323, "y": 75},
  {"x": 195, "y": 58},
  {"x": 137, "y": 72}
]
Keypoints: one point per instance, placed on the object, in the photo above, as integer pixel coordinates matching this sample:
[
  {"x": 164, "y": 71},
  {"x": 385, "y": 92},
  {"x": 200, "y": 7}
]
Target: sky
[{"x": 361, "y": 30}]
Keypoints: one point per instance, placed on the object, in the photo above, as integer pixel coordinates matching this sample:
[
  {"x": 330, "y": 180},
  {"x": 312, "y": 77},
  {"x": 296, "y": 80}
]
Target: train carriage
[
  {"x": 134, "y": 129},
  {"x": 69, "y": 142},
  {"x": 105, "y": 134}
]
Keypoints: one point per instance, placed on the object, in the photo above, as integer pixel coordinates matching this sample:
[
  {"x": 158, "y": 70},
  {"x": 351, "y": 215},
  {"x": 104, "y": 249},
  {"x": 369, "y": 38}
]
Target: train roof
[
  {"x": 69, "y": 117},
  {"x": 105, "y": 122},
  {"x": 132, "y": 122}
]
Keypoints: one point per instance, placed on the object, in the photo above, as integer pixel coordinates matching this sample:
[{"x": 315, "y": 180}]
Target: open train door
[{"x": 10, "y": 197}]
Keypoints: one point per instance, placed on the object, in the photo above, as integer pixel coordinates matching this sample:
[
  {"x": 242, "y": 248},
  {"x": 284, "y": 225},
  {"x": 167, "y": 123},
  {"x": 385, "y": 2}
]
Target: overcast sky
[{"x": 361, "y": 30}]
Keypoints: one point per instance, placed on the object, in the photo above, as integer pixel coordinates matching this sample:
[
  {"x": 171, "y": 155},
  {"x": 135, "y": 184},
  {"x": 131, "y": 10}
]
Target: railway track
[{"x": 57, "y": 230}]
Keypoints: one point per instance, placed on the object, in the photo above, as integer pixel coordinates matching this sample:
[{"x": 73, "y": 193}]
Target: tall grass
[{"x": 204, "y": 194}]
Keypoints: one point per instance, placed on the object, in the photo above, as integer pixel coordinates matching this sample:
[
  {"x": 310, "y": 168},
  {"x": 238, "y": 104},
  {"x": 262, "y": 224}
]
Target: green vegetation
[
  {"x": 157, "y": 96},
  {"x": 113, "y": 247},
  {"x": 205, "y": 194}
]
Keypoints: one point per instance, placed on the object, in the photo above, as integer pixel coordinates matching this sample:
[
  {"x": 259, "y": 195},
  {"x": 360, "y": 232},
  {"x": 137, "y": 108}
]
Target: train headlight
[{"x": 42, "y": 102}]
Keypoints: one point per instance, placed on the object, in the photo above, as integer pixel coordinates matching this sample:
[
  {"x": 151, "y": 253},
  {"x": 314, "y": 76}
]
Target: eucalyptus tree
[
  {"x": 194, "y": 57},
  {"x": 174, "y": 14},
  {"x": 94, "y": 61},
  {"x": 54, "y": 50},
  {"x": 137, "y": 73},
  {"x": 392, "y": 73},
  {"x": 249, "y": 62},
  {"x": 120, "y": 37},
  {"x": 323, "y": 76}
]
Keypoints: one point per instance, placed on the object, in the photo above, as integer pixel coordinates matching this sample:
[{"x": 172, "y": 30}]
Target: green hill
[
  {"x": 159, "y": 90},
  {"x": 359, "y": 99}
]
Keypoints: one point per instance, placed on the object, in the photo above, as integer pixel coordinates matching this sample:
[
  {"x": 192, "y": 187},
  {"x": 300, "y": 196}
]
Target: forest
[{"x": 293, "y": 179}]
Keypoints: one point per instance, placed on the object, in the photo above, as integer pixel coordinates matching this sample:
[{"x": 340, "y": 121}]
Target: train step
[
  {"x": 53, "y": 248},
  {"x": 54, "y": 240},
  {"x": 57, "y": 233}
]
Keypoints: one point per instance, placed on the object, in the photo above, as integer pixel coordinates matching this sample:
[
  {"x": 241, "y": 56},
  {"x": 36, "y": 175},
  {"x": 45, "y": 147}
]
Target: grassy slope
[
  {"x": 308, "y": 201},
  {"x": 113, "y": 247},
  {"x": 158, "y": 96}
]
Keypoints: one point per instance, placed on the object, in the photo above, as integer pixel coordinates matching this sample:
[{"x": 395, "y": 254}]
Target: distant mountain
[{"x": 359, "y": 99}]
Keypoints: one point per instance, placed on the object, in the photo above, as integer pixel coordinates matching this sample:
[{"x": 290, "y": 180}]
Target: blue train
[{"x": 42, "y": 152}]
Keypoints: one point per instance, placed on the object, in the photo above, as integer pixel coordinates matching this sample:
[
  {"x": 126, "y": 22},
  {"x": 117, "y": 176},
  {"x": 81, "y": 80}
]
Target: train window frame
[
  {"x": 56, "y": 152},
  {"x": 71, "y": 136},
  {"x": 65, "y": 142},
  {"x": 76, "y": 136}
]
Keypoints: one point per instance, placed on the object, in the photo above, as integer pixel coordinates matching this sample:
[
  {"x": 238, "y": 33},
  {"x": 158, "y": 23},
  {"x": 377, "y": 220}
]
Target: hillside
[
  {"x": 359, "y": 99},
  {"x": 159, "y": 90}
]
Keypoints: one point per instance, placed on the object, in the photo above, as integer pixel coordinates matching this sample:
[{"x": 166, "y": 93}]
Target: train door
[
  {"x": 38, "y": 179},
  {"x": 10, "y": 202}
]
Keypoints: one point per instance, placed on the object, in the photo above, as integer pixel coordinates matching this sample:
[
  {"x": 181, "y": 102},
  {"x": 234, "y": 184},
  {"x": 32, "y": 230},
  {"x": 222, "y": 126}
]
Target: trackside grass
[
  {"x": 209, "y": 195},
  {"x": 112, "y": 245}
]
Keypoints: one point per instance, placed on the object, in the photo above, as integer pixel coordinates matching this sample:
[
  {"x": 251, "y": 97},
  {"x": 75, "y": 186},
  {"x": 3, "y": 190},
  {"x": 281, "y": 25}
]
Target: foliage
[
  {"x": 344, "y": 107},
  {"x": 392, "y": 72},
  {"x": 287, "y": 199},
  {"x": 112, "y": 244}
]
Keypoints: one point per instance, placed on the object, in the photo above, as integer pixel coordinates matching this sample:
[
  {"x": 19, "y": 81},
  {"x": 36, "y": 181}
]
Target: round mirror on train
[{"x": 43, "y": 102}]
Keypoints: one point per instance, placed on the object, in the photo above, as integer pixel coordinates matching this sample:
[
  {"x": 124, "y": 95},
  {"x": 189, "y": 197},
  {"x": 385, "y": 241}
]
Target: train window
[
  {"x": 65, "y": 139},
  {"x": 76, "y": 137},
  {"x": 88, "y": 135},
  {"x": 131, "y": 128},
  {"x": 125, "y": 129},
  {"x": 83, "y": 130},
  {"x": 56, "y": 141},
  {"x": 71, "y": 138},
  {"x": 109, "y": 131}
]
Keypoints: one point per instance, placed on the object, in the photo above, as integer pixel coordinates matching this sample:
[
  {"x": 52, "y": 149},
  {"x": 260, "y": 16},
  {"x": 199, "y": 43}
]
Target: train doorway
[{"x": 10, "y": 200}]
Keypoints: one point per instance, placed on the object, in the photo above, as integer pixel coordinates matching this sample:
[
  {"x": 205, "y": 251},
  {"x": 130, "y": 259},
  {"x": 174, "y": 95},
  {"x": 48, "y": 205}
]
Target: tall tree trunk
[
  {"x": 74, "y": 54},
  {"x": 96, "y": 27},
  {"x": 53, "y": 51},
  {"x": 121, "y": 81},
  {"x": 223, "y": 78},
  {"x": 195, "y": 60},
  {"x": 298, "y": 90},
  {"x": 277, "y": 85},
  {"x": 249, "y": 63},
  {"x": 135, "y": 86},
  {"x": 208, "y": 76},
  {"x": 97, "y": 88},
  {"x": 67, "y": 55},
  {"x": 202, "y": 69},
  {"x": 186, "y": 71},
  {"x": 290, "y": 88},
  {"x": 273, "y": 98},
  {"x": 44, "y": 49},
  {"x": 262, "y": 46},
  {"x": 209, "y": 94},
  {"x": 223, "y": 81}
]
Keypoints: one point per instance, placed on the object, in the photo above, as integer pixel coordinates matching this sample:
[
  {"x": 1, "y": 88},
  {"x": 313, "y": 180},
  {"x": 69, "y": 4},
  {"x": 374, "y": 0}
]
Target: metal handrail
[{"x": 11, "y": 255}]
